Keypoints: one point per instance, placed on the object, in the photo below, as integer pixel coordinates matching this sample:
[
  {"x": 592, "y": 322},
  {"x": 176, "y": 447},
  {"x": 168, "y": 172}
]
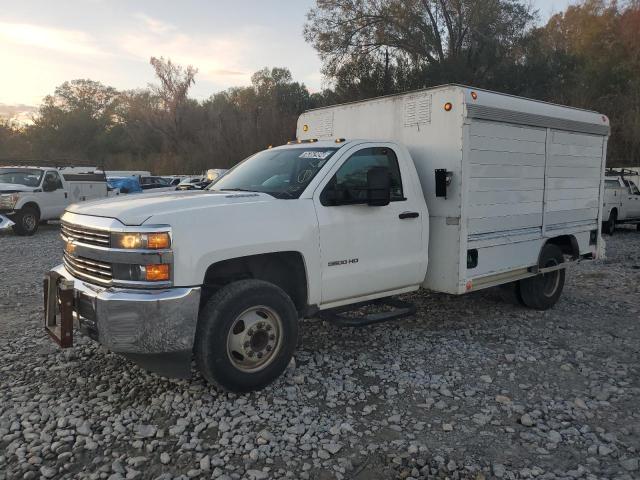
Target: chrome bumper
[{"x": 148, "y": 326}]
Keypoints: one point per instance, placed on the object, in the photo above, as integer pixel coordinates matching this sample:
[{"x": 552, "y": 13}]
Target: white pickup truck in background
[
  {"x": 450, "y": 189},
  {"x": 29, "y": 195},
  {"x": 621, "y": 200}
]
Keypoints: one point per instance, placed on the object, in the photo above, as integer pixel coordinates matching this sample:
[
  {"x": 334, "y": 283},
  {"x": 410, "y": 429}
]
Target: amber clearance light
[
  {"x": 158, "y": 240},
  {"x": 157, "y": 273},
  {"x": 448, "y": 106}
]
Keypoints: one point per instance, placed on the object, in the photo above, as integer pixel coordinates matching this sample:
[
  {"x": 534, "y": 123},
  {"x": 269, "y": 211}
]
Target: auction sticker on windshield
[{"x": 315, "y": 154}]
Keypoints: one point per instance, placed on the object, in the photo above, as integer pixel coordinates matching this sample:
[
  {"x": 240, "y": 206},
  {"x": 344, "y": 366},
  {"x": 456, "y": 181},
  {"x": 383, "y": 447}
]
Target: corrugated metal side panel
[
  {"x": 574, "y": 165},
  {"x": 506, "y": 177}
]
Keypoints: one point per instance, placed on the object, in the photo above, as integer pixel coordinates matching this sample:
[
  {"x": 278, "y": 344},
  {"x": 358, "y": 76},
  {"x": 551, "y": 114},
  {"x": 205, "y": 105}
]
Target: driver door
[
  {"x": 365, "y": 249},
  {"x": 53, "y": 195}
]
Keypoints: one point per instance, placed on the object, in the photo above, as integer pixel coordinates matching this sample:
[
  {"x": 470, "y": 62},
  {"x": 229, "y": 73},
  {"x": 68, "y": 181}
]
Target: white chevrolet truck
[
  {"x": 29, "y": 195},
  {"x": 451, "y": 189},
  {"x": 621, "y": 199}
]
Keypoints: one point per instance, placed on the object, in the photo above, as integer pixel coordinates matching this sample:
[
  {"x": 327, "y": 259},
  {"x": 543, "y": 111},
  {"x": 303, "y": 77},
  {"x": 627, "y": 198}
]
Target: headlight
[
  {"x": 144, "y": 241},
  {"x": 9, "y": 200}
]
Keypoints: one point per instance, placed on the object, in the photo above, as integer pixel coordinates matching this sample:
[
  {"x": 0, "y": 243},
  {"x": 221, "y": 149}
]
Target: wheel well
[
  {"x": 34, "y": 206},
  {"x": 568, "y": 244},
  {"x": 284, "y": 269}
]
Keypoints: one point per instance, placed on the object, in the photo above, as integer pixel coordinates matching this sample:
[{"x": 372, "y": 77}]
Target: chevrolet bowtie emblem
[{"x": 70, "y": 247}]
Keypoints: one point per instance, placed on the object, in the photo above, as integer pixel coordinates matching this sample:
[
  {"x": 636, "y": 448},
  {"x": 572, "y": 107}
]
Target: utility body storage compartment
[{"x": 501, "y": 176}]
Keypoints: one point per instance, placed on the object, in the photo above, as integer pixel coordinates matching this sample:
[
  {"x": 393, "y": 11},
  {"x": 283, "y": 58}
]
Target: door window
[
  {"x": 633, "y": 188},
  {"x": 351, "y": 178},
  {"x": 53, "y": 179}
]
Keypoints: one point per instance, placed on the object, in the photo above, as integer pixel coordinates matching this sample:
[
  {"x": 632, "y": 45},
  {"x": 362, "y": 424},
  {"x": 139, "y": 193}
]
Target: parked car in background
[
  {"x": 174, "y": 180},
  {"x": 193, "y": 183},
  {"x": 29, "y": 195},
  {"x": 155, "y": 184},
  {"x": 621, "y": 200}
]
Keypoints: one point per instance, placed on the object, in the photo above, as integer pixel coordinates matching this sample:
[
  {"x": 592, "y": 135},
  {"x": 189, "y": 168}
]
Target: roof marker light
[{"x": 474, "y": 95}]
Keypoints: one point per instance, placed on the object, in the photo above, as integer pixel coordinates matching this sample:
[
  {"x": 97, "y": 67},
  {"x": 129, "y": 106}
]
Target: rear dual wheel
[{"x": 543, "y": 291}]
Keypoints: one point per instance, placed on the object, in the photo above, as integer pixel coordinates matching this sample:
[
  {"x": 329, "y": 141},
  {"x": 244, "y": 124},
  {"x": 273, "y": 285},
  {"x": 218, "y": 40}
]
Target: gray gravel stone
[{"x": 374, "y": 402}]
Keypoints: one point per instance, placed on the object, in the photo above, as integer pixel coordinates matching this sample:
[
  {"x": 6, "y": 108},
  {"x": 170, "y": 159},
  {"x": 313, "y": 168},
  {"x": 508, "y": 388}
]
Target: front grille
[
  {"x": 91, "y": 270},
  {"x": 86, "y": 235}
]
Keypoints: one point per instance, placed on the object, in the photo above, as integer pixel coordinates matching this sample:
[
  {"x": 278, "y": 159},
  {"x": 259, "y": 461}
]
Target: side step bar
[{"x": 399, "y": 309}]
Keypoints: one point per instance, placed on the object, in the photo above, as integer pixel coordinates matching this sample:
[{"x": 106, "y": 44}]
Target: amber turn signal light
[
  {"x": 158, "y": 240},
  {"x": 157, "y": 273}
]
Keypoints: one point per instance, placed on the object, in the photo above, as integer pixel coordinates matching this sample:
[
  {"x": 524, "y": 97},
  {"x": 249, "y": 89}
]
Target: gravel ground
[{"x": 467, "y": 388}]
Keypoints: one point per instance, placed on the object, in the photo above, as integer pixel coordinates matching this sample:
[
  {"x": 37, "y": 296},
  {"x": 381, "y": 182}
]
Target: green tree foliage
[
  {"x": 421, "y": 42},
  {"x": 587, "y": 56},
  {"x": 75, "y": 121}
]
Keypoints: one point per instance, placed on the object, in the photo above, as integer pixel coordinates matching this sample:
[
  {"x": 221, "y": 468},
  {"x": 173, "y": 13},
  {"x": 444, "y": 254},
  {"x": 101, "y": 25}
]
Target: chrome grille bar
[
  {"x": 91, "y": 270},
  {"x": 86, "y": 235}
]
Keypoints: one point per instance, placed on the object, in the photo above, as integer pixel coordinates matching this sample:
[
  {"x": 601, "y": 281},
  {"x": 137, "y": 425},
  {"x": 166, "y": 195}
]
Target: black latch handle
[{"x": 404, "y": 215}]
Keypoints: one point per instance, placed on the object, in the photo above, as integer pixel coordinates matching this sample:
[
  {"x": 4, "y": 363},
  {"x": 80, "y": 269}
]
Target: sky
[{"x": 44, "y": 43}]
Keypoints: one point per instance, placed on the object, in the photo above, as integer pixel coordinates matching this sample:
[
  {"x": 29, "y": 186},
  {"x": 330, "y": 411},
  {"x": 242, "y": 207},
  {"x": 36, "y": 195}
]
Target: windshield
[
  {"x": 21, "y": 176},
  {"x": 282, "y": 173}
]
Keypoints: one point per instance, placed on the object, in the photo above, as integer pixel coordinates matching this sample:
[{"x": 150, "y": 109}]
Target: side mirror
[{"x": 378, "y": 187}]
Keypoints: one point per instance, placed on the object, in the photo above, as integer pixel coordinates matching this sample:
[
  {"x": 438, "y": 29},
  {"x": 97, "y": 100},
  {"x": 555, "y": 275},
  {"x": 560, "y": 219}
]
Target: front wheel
[
  {"x": 543, "y": 291},
  {"x": 26, "y": 221},
  {"x": 246, "y": 335}
]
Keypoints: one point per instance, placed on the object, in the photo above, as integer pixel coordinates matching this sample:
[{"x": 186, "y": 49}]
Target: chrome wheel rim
[
  {"x": 29, "y": 222},
  {"x": 254, "y": 339},
  {"x": 551, "y": 280}
]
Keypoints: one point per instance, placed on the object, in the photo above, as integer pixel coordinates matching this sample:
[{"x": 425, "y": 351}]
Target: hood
[
  {"x": 15, "y": 187},
  {"x": 137, "y": 208}
]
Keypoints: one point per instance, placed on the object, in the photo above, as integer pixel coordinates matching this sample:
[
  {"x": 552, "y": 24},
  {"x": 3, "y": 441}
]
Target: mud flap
[{"x": 58, "y": 309}]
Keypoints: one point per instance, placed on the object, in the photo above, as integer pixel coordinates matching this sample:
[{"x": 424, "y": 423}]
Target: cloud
[
  {"x": 217, "y": 56},
  {"x": 66, "y": 41},
  {"x": 154, "y": 25}
]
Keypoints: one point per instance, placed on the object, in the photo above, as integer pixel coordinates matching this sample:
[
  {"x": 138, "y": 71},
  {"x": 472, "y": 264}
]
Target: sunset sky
[{"x": 44, "y": 43}]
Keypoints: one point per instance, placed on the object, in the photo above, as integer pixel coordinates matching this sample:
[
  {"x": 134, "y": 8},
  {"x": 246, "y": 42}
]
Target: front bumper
[
  {"x": 154, "y": 328},
  {"x": 5, "y": 222}
]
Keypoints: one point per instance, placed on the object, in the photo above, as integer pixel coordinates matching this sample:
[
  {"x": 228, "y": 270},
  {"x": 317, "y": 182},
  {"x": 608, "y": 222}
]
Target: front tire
[
  {"x": 247, "y": 333},
  {"x": 26, "y": 221},
  {"x": 543, "y": 291}
]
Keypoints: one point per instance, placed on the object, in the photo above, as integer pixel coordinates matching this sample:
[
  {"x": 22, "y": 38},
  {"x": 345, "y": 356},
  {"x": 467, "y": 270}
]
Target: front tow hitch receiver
[{"x": 58, "y": 309}]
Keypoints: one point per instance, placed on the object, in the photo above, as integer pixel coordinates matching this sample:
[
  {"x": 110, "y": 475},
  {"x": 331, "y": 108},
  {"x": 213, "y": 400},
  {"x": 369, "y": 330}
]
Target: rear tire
[
  {"x": 543, "y": 291},
  {"x": 247, "y": 333},
  {"x": 609, "y": 227},
  {"x": 26, "y": 221}
]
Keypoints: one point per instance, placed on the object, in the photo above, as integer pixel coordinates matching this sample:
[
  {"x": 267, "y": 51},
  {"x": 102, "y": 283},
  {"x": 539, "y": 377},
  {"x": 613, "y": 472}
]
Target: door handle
[{"x": 405, "y": 215}]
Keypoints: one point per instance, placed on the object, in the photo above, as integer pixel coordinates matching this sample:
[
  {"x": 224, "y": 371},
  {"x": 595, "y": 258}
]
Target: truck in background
[
  {"x": 452, "y": 189},
  {"x": 29, "y": 195},
  {"x": 621, "y": 199}
]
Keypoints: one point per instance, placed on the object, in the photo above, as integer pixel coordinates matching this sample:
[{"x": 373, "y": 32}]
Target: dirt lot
[{"x": 468, "y": 388}]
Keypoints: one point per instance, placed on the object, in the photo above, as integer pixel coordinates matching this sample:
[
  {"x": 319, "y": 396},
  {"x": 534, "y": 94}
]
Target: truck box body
[{"x": 521, "y": 172}]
